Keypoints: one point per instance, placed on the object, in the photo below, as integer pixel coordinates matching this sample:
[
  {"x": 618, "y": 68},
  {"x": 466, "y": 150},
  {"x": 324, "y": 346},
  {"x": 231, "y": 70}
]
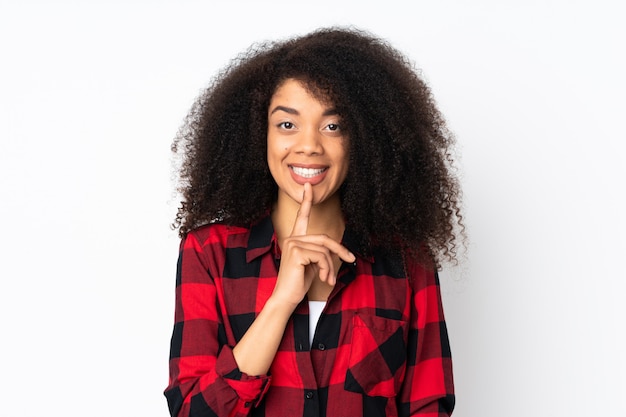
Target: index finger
[{"x": 302, "y": 218}]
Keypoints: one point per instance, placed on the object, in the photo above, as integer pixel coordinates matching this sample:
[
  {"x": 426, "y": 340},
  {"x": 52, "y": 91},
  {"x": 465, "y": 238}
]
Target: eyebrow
[{"x": 290, "y": 110}]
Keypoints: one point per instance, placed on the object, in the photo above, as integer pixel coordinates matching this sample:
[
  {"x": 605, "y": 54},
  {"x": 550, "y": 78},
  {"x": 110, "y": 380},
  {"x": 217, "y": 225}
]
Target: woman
[{"x": 318, "y": 204}]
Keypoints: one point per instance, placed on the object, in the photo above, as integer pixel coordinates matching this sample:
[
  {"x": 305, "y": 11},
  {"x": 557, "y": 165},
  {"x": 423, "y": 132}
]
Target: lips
[
  {"x": 311, "y": 174},
  {"x": 307, "y": 172}
]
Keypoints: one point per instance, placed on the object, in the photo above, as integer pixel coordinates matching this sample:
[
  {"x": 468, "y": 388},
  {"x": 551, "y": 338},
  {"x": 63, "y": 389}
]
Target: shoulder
[
  {"x": 215, "y": 233},
  {"x": 208, "y": 245},
  {"x": 214, "y": 237},
  {"x": 421, "y": 271}
]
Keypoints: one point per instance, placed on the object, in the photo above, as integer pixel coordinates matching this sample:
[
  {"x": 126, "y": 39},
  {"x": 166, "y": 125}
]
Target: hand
[{"x": 305, "y": 257}]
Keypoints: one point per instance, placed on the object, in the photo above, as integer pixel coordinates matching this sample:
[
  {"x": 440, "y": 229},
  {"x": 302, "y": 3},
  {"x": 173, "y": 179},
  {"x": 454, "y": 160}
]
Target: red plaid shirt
[{"x": 380, "y": 347}]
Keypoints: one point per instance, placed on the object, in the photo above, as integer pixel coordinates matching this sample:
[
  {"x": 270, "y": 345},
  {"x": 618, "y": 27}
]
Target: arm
[
  {"x": 203, "y": 371},
  {"x": 428, "y": 388},
  {"x": 304, "y": 258}
]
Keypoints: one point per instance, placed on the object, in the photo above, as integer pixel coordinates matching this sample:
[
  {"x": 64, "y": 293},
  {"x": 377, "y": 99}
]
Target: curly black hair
[{"x": 401, "y": 189}]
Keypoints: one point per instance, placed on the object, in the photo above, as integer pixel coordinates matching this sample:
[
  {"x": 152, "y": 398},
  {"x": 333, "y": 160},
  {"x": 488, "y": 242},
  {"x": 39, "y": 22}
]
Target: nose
[{"x": 310, "y": 142}]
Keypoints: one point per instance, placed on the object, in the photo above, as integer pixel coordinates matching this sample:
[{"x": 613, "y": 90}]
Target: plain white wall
[{"x": 91, "y": 95}]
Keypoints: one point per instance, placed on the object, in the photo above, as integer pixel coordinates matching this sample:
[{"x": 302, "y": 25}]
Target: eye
[
  {"x": 286, "y": 125},
  {"x": 333, "y": 130}
]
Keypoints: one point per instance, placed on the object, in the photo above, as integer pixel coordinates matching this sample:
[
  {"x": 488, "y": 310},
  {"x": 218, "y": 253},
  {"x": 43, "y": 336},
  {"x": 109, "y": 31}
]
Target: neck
[{"x": 326, "y": 217}]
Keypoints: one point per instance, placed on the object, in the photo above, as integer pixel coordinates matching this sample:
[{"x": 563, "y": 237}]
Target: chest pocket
[{"x": 377, "y": 362}]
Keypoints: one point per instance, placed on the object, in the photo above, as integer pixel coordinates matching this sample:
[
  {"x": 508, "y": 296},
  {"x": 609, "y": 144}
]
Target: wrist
[{"x": 278, "y": 306}]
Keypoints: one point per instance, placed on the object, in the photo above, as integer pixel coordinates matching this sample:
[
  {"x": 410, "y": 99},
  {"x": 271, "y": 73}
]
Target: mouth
[{"x": 307, "y": 172}]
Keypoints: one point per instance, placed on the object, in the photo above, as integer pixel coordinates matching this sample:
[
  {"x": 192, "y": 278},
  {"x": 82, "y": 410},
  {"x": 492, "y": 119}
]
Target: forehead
[{"x": 293, "y": 86}]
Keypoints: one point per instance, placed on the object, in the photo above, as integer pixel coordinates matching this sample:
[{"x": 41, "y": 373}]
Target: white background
[{"x": 92, "y": 93}]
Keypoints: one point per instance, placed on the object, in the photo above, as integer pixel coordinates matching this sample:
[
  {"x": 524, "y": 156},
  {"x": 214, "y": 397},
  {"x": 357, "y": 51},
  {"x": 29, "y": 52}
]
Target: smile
[{"x": 307, "y": 172}]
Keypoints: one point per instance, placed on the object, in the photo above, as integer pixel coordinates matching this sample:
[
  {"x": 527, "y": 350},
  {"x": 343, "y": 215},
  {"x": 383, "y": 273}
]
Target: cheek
[
  {"x": 275, "y": 155},
  {"x": 344, "y": 156},
  {"x": 276, "y": 146}
]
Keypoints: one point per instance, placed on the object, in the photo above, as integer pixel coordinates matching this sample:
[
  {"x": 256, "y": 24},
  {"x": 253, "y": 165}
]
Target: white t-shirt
[{"x": 315, "y": 310}]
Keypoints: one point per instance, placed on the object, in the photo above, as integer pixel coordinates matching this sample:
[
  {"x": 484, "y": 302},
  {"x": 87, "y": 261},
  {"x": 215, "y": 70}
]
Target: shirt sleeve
[
  {"x": 428, "y": 388},
  {"x": 204, "y": 377}
]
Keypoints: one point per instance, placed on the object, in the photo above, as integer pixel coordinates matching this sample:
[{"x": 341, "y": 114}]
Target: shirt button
[
  {"x": 309, "y": 395},
  {"x": 321, "y": 346}
]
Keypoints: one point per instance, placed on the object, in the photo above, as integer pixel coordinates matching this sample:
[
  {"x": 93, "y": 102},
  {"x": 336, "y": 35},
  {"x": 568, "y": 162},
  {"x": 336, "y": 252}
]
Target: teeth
[{"x": 307, "y": 172}]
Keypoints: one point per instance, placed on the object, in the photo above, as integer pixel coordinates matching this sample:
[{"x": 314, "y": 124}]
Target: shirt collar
[{"x": 262, "y": 240}]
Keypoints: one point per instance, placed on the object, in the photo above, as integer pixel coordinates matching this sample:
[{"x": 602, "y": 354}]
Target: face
[{"x": 305, "y": 143}]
